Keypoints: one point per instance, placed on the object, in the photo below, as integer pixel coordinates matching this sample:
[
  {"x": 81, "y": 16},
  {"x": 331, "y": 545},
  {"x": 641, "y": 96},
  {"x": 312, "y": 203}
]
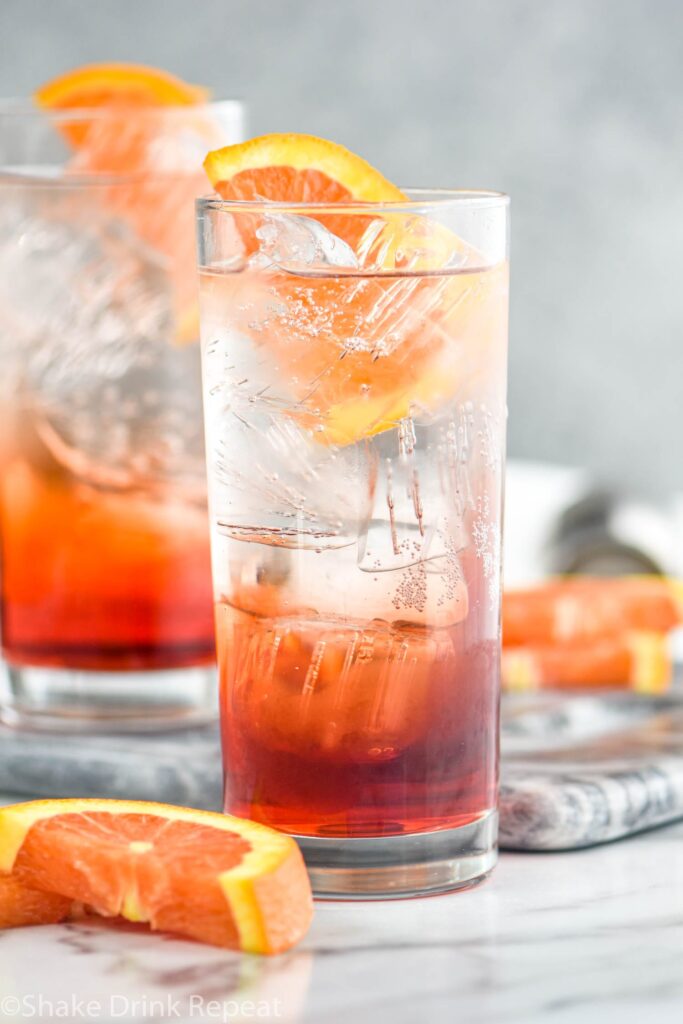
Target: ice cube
[
  {"x": 410, "y": 242},
  {"x": 86, "y": 323},
  {"x": 276, "y": 582},
  {"x": 294, "y": 242},
  {"x": 277, "y": 485},
  {"x": 275, "y": 479},
  {"x": 335, "y": 691}
]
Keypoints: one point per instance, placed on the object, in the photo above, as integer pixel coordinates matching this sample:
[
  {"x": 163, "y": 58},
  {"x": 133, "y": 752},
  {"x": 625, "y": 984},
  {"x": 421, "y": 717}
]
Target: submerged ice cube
[{"x": 335, "y": 691}]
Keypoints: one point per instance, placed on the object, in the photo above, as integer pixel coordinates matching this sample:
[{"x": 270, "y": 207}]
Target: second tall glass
[
  {"x": 355, "y": 366},
  {"x": 105, "y": 589}
]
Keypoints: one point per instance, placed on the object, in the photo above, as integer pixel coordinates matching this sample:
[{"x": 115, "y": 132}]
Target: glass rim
[
  {"x": 417, "y": 199},
  {"x": 26, "y": 108},
  {"x": 23, "y": 115}
]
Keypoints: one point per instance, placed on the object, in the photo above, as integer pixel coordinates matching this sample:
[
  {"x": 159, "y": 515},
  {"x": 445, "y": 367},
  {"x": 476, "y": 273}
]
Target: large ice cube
[
  {"x": 334, "y": 691},
  {"x": 297, "y": 243},
  {"x": 274, "y": 581},
  {"x": 86, "y": 325}
]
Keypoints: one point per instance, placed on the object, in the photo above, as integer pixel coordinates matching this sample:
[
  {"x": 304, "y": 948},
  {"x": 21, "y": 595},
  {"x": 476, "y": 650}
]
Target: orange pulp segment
[
  {"x": 209, "y": 877},
  {"x": 21, "y": 906}
]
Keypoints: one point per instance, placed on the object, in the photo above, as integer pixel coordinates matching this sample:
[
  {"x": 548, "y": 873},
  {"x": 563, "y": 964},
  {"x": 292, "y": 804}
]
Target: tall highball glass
[{"x": 354, "y": 363}]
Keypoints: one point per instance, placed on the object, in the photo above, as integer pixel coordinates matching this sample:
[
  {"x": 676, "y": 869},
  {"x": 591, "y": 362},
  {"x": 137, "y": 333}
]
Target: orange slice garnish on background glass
[
  {"x": 138, "y": 122},
  {"x": 114, "y": 85},
  {"x": 97, "y": 85},
  {"x": 361, "y": 348},
  {"x": 209, "y": 877}
]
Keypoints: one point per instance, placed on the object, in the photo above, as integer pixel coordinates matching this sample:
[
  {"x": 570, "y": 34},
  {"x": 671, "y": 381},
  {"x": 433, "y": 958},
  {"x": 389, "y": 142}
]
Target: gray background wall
[{"x": 575, "y": 107}]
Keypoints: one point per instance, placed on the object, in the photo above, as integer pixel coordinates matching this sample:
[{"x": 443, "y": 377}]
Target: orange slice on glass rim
[
  {"x": 362, "y": 349},
  {"x": 290, "y": 168},
  {"x": 139, "y": 141},
  {"x": 210, "y": 877}
]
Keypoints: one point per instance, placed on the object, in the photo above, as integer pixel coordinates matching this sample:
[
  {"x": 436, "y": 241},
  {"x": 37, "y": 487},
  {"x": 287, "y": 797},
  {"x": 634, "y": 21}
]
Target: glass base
[
  {"x": 73, "y": 700},
  {"x": 399, "y": 867}
]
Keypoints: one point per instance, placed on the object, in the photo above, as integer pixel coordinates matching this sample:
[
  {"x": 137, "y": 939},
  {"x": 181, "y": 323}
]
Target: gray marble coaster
[
  {"x": 176, "y": 767},
  {"x": 576, "y": 771}
]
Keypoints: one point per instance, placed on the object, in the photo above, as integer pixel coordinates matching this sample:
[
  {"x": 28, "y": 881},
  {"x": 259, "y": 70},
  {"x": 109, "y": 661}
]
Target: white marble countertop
[{"x": 590, "y": 936}]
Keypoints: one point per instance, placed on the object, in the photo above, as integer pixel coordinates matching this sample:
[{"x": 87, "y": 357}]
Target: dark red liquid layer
[{"x": 335, "y": 728}]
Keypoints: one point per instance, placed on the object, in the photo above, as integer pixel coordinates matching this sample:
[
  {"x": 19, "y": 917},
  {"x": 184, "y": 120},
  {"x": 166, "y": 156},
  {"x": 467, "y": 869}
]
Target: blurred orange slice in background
[
  {"x": 138, "y": 123},
  {"x": 122, "y": 86},
  {"x": 582, "y": 608},
  {"x": 636, "y": 660},
  {"x": 583, "y": 631},
  {"x": 209, "y": 877},
  {"x": 97, "y": 85}
]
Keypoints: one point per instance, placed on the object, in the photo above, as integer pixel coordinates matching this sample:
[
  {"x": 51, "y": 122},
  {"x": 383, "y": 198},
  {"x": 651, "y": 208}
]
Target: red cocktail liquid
[
  {"x": 100, "y": 580},
  {"x": 342, "y": 728}
]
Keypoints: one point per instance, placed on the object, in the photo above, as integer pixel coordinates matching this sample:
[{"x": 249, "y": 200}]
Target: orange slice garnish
[
  {"x": 96, "y": 85},
  {"x": 138, "y": 140},
  {"x": 297, "y": 169},
  {"x": 210, "y": 877},
  {"x": 114, "y": 85},
  {"x": 362, "y": 350}
]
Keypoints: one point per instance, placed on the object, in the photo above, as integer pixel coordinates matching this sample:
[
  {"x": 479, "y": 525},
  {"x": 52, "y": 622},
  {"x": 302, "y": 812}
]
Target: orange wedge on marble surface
[
  {"x": 365, "y": 348},
  {"x": 209, "y": 877},
  {"x": 637, "y": 660}
]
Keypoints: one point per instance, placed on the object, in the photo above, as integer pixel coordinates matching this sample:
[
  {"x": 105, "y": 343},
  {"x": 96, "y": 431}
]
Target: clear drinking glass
[
  {"x": 354, "y": 362},
  {"x": 107, "y": 617}
]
